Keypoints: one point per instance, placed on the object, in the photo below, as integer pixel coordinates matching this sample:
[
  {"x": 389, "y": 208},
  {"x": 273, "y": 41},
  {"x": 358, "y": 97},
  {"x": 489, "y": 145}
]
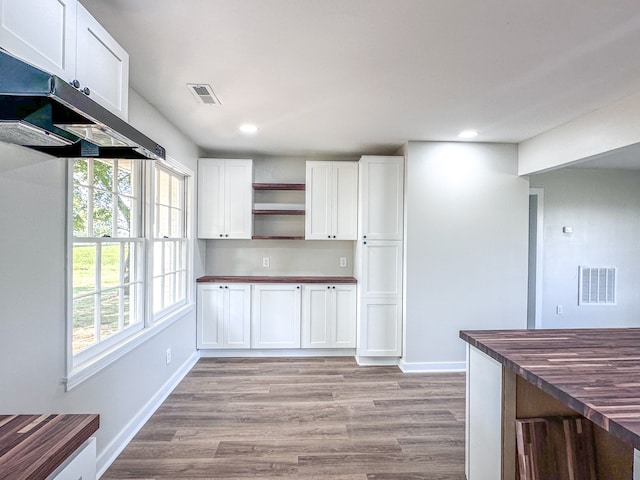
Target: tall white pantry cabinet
[{"x": 379, "y": 256}]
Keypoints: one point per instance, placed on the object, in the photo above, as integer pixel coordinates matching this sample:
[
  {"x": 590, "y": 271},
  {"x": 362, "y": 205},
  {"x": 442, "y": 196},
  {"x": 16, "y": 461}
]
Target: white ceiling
[{"x": 363, "y": 76}]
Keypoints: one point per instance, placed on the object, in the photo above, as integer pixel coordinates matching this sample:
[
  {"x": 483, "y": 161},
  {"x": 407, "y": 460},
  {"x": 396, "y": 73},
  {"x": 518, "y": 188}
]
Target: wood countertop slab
[
  {"x": 33, "y": 446},
  {"x": 596, "y": 372},
  {"x": 266, "y": 279}
]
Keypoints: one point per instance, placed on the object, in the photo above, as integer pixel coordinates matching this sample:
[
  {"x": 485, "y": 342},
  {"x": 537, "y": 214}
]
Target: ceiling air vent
[{"x": 204, "y": 93}]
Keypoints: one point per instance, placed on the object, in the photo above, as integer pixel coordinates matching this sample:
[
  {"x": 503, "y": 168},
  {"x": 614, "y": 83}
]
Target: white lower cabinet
[
  {"x": 275, "y": 316},
  {"x": 380, "y": 327},
  {"x": 328, "y": 316},
  {"x": 81, "y": 465},
  {"x": 224, "y": 315}
]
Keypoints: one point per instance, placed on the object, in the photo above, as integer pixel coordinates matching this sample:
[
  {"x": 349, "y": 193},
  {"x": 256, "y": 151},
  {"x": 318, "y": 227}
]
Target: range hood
[{"x": 43, "y": 112}]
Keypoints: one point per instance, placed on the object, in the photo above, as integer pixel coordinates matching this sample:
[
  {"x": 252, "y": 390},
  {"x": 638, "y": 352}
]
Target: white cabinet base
[{"x": 81, "y": 465}]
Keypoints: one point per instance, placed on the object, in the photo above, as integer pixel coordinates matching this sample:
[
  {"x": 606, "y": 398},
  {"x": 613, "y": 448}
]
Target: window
[
  {"x": 127, "y": 254},
  {"x": 169, "y": 241},
  {"x": 107, "y": 251}
]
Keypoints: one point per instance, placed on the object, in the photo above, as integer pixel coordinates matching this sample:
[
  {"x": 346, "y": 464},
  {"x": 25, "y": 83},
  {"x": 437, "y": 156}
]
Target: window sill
[{"x": 87, "y": 369}]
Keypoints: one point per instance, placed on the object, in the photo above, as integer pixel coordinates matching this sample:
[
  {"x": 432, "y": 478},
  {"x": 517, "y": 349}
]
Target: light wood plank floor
[{"x": 302, "y": 418}]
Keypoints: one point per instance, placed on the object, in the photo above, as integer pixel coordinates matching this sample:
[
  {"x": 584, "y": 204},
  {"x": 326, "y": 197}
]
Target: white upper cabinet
[
  {"x": 382, "y": 197},
  {"x": 41, "y": 32},
  {"x": 331, "y": 200},
  {"x": 62, "y": 38},
  {"x": 225, "y": 198},
  {"x": 328, "y": 316},
  {"x": 102, "y": 65}
]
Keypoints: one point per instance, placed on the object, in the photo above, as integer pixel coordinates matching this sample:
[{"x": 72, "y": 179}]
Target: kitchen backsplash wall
[{"x": 286, "y": 257}]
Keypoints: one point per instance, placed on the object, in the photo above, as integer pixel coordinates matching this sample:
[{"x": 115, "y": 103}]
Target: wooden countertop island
[
  {"x": 528, "y": 373},
  {"x": 34, "y": 446}
]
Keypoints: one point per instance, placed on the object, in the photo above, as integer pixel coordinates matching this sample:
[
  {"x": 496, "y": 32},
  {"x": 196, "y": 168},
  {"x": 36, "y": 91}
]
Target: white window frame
[
  {"x": 82, "y": 367},
  {"x": 171, "y": 170}
]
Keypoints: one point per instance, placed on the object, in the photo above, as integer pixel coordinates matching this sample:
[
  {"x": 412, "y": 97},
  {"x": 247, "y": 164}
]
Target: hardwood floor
[{"x": 302, "y": 418}]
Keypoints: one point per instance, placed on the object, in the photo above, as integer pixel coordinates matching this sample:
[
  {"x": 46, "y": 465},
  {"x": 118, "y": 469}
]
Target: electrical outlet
[
  {"x": 266, "y": 262},
  {"x": 168, "y": 356},
  {"x": 343, "y": 262},
  {"x": 559, "y": 310}
]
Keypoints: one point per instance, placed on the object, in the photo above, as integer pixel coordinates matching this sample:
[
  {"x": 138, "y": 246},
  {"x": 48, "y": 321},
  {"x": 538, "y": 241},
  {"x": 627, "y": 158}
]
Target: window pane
[
  {"x": 80, "y": 211},
  {"x": 130, "y": 273},
  {"x": 83, "y": 323},
  {"x": 84, "y": 268},
  {"x": 169, "y": 257},
  {"x": 102, "y": 214},
  {"x": 124, "y": 217},
  {"x": 125, "y": 186},
  {"x": 157, "y": 258},
  {"x": 176, "y": 191},
  {"x": 103, "y": 174},
  {"x": 157, "y": 294},
  {"x": 126, "y": 307},
  {"x": 162, "y": 221},
  {"x": 109, "y": 320},
  {"x": 169, "y": 290},
  {"x": 110, "y": 265},
  {"x": 164, "y": 186},
  {"x": 180, "y": 286},
  {"x": 81, "y": 172},
  {"x": 177, "y": 224}
]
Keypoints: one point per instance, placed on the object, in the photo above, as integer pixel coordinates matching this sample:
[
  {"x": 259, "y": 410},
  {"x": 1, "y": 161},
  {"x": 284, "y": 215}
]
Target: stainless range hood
[{"x": 43, "y": 112}]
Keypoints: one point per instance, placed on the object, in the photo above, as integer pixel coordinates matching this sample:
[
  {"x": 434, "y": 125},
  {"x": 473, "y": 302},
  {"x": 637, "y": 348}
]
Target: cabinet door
[
  {"x": 344, "y": 308},
  {"x": 102, "y": 65},
  {"x": 211, "y": 198},
  {"x": 345, "y": 202},
  {"x": 317, "y": 316},
  {"x": 41, "y": 32},
  {"x": 318, "y": 201},
  {"x": 238, "y": 198},
  {"x": 381, "y": 197},
  {"x": 380, "y": 327},
  {"x": 275, "y": 316},
  {"x": 237, "y": 316},
  {"x": 381, "y": 268},
  {"x": 210, "y": 316}
]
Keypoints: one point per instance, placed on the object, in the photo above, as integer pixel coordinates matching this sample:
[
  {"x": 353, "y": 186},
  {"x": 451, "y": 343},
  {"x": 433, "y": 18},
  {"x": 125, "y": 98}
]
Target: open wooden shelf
[
  {"x": 278, "y": 212},
  {"x": 279, "y": 186}
]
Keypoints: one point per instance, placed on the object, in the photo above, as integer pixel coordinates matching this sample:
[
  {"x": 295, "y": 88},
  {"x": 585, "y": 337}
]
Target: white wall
[
  {"x": 466, "y": 247},
  {"x": 32, "y": 300},
  {"x": 602, "y": 208},
  {"x": 614, "y": 126}
]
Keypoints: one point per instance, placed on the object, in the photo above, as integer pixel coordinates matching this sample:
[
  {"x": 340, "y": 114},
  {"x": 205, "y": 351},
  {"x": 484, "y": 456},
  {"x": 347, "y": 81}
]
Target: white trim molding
[
  {"x": 118, "y": 444},
  {"x": 277, "y": 352},
  {"x": 432, "y": 367},
  {"x": 377, "y": 361}
]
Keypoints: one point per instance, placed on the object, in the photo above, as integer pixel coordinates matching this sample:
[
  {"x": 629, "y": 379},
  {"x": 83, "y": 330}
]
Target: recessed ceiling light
[
  {"x": 468, "y": 134},
  {"x": 248, "y": 128}
]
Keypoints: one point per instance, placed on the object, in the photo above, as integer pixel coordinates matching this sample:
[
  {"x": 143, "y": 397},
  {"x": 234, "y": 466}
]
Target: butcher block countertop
[
  {"x": 265, "y": 279},
  {"x": 596, "y": 372},
  {"x": 33, "y": 446}
]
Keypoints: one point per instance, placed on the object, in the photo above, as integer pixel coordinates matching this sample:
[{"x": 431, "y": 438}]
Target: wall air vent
[
  {"x": 597, "y": 286},
  {"x": 204, "y": 93}
]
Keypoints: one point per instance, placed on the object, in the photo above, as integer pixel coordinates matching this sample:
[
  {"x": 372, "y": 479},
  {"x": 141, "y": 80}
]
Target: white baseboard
[
  {"x": 276, "y": 352},
  {"x": 377, "y": 361},
  {"x": 118, "y": 444},
  {"x": 428, "y": 367}
]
